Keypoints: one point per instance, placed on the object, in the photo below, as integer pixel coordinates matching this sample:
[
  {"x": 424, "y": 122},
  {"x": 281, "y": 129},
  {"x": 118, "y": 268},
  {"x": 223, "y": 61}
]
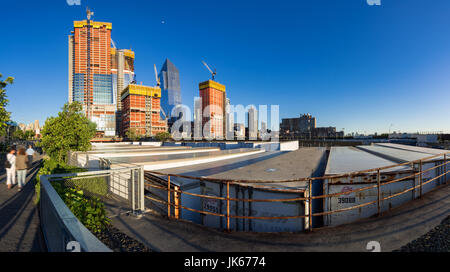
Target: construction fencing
[{"x": 423, "y": 176}]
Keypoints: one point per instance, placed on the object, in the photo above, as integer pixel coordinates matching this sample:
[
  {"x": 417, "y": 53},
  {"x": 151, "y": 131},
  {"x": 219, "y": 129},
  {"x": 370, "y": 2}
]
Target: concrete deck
[
  {"x": 19, "y": 219},
  {"x": 393, "y": 230}
]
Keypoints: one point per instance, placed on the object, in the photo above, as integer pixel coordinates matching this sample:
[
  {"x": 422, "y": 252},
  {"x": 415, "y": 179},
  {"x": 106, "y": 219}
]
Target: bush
[
  {"x": 90, "y": 211},
  {"x": 78, "y": 194}
]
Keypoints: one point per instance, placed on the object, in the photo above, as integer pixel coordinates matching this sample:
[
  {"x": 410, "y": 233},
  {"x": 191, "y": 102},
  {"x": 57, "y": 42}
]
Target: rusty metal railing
[{"x": 308, "y": 192}]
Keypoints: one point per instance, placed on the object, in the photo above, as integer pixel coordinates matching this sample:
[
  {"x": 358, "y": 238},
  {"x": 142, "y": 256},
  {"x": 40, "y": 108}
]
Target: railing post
[
  {"x": 168, "y": 195},
  {"x": 445, "y": 168},
  {"x": 310, "y": 204},
  {"x": 133, "y": 206},
  {"x": 379, "y": 192},
  {"x": 228, "y": 206},
  {"x": 414, "y": 181},
  {"x": 420, "y": 178},
  {"x": 141, "y": 189}
]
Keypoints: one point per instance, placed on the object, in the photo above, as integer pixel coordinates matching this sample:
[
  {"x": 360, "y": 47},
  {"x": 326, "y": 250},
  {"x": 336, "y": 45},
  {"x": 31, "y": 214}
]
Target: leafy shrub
[{"x": 88, "y": 209}]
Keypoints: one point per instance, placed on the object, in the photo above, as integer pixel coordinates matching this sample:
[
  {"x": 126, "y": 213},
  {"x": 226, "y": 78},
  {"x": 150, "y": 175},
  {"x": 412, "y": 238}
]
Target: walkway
[
  {"x": 19, "y": 218},
  {"x": 393, "y": 230}
]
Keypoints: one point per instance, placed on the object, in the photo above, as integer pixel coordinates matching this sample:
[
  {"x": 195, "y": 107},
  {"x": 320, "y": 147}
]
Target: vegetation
[
  {"x": 79, "y": 195},
  {"x": 71, "y": 130},
  {"x": 89, "y": 210},
  {"x": 133, "y": 135},
  {"x": 4, "y": 115},
  {"x": 163, "y": 136}
]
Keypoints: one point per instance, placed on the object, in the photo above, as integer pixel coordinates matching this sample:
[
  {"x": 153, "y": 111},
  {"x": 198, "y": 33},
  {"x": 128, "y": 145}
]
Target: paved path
[
  {"x": 19, "y": 219},
  {"x": 393, "y": 230}
]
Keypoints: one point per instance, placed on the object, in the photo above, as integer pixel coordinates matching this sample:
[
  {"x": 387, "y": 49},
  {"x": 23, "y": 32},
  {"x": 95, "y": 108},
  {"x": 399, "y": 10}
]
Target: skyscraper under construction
[{"x": 90, "y": 74}]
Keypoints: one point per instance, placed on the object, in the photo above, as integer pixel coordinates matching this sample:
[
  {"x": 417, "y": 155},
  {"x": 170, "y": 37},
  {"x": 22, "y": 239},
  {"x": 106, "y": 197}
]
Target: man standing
[{"x": 30, "y": 152}]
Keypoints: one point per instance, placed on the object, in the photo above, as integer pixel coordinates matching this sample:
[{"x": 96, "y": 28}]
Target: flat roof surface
[
  {"x": 394, "y": 154},
  {"x": 211, "y": 168},
  {"x": 154, "y": 152},
  {"x": 432, "y": 151},
  {"x": 137, "y": 148},
  {"x": 268, "y": 166},
  {"x": 169, "y": 157},
  {"x": 350, "y": 159}
]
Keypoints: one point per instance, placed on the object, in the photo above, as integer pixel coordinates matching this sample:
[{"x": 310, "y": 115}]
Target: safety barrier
[
  {"x": 60, "y": 226},
  {"x": 308, "y": 197}
]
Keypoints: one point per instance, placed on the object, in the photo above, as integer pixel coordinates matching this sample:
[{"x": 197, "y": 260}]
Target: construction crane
[
  {"x": 89, "y": 13},
  {"x": 212, "y": 73},
  {"x": 158, "y": 83}
]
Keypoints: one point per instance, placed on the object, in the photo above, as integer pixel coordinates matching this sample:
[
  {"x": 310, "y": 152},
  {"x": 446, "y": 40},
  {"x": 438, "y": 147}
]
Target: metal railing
[
  {"x": 171, "y": 189},
  {"x": 124, "y": 186},
  {"x": 60, "y": 227}
]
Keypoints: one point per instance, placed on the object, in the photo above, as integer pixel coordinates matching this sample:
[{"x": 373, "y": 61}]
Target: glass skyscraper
[{"x": 170, "y": 89}]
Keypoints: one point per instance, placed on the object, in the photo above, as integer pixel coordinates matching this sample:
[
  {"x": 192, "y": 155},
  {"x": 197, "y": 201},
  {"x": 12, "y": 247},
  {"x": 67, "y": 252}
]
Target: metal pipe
[
  {"x": 445, "y": 168},
  {"x": 310, "y": 205},
  {"x": 132, "y": 191},
  {"x": 379, "y": 192},
  {"x": 228, "y": 206},
  {"x": 168, "y": 195},
  {"x": 420, "y": 179}
]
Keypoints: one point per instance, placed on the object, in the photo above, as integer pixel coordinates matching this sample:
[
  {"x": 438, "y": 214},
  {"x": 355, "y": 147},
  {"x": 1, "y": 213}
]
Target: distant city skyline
[{"x": 351, "y": 65}]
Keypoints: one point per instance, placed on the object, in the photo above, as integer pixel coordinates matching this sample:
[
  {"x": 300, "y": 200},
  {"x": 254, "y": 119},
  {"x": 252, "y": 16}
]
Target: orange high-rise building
[
  {"x": 90, "y": 79},
  {"x": 213, "y": 96},
  {"x": 141, "y": 106}
]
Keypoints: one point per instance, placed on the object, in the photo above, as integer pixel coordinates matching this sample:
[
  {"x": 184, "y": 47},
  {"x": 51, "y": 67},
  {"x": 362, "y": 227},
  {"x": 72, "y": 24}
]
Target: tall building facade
[
  {"x": 252, "y": 123},
  {"x": 170, "y": 89},
  {"x": 141, "y": 110},
  {"x": 122, "y": 70},
  {"x": 90, "y": 77},
  {"x": 213, "y": 96}
]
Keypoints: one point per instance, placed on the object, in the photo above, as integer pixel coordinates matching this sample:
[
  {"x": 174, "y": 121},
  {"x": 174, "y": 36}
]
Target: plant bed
[{"x": 119, "y": 241}]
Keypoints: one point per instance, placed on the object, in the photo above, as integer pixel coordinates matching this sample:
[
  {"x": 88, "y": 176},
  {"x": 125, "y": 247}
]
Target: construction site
[{"x": 281, "y": 189}]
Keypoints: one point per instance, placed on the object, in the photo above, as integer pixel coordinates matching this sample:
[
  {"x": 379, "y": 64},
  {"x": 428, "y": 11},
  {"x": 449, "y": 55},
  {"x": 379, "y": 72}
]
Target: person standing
[
  {"x": 21, "y": 167},
  {"x": 10, "y": 166},
  {"x": 30, "y": 153}
]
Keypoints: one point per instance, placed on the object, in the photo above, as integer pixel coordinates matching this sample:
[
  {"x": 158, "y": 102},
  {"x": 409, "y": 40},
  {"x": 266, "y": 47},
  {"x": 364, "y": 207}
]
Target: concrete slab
[
  {"x": 302, "y": 163},
  {"x": 350, "y": 159}
]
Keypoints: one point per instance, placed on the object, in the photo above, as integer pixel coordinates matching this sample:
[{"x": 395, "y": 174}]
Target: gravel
[
  {"x": 119, "y": 241},
  {"x": 436, "y": 240}
]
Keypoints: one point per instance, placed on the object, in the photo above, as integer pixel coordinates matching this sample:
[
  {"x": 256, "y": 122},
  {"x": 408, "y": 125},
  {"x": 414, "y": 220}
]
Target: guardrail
[
  {"x": 308, "y": 197},
  {"x": 60, "y": 226}
]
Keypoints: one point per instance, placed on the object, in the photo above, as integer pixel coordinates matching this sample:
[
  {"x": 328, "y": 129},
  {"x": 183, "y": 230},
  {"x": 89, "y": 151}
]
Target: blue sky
[{"x": 351, "y": 65}]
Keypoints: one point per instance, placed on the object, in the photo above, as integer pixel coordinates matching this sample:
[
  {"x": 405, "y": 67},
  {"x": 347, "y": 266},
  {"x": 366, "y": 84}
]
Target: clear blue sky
[{"x": 351, "y": 65}]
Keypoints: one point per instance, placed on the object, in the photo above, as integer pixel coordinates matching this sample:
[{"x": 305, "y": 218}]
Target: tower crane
[{"x": 212, "y": 73}]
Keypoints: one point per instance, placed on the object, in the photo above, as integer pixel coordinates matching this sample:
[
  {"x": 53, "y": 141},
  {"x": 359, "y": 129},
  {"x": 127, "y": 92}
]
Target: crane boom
[
  {"x": 209, "y": 69},
  {"x": 156, "y": 76}
]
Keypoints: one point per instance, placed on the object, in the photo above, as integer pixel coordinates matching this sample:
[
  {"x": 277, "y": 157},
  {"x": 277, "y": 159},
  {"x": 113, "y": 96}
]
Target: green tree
[
  {"x": 28, "y": 135},
  {"x": 163, "y": 136},
  {"x": 71, "y": 130},
  {"x": 18, "y": 135},
  {"x": 4, "y": 115},
  {"x": 133, "y": 135}
]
